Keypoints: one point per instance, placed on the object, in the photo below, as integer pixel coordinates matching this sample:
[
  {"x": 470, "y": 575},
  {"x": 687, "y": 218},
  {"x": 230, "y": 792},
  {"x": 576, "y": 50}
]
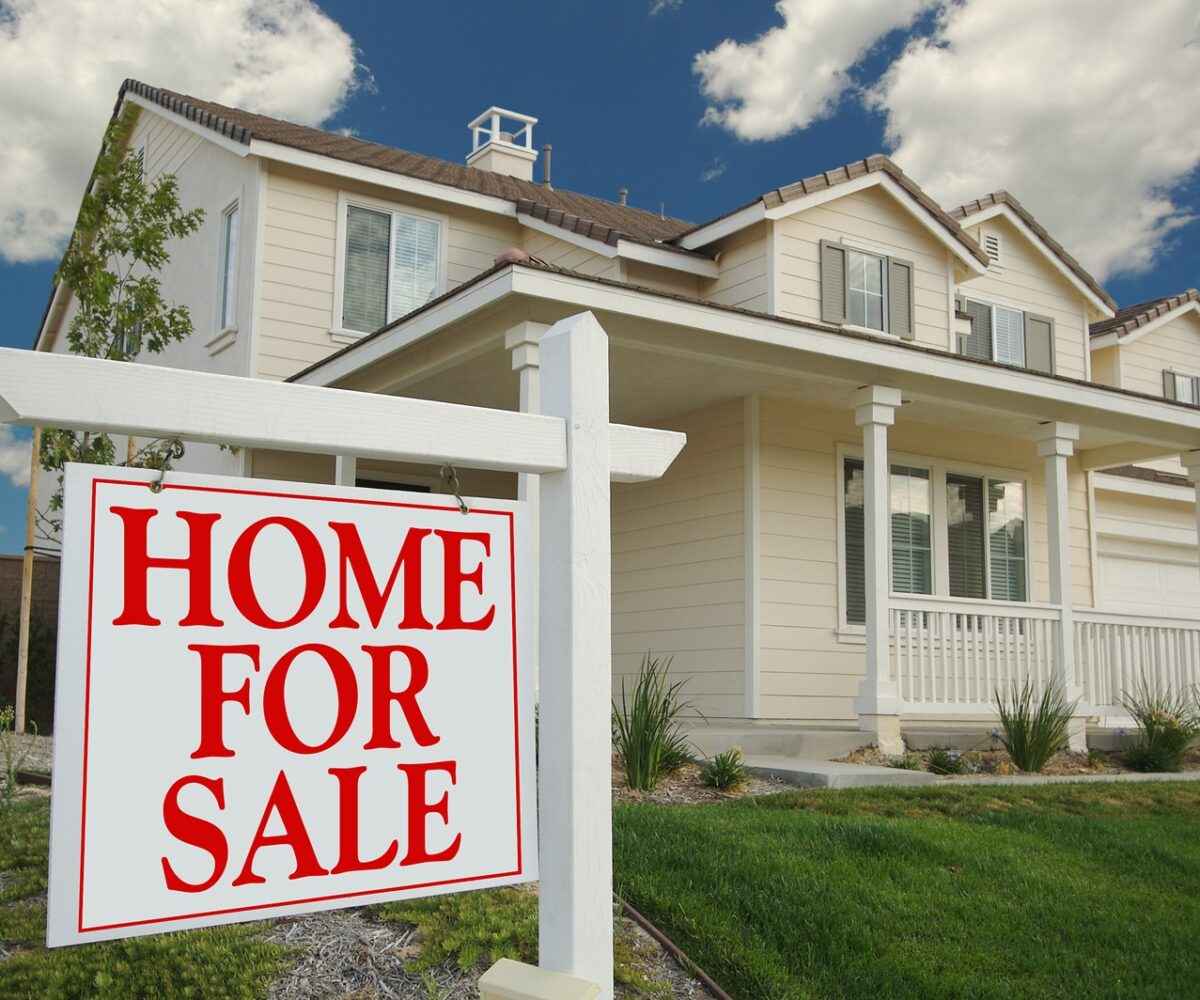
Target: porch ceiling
[{"x": 661, "y": 368}]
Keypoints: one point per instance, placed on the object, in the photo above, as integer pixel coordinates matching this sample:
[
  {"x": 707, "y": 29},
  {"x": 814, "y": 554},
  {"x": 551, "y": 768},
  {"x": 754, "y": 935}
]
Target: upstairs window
[
  {"x": 866, "y": 290},
  {"x": 1010, "y": 336},
  {"x": 230, "y": 225},
  {"x": 392, "y": 266},
  {"x": 1181, "y": 387}
]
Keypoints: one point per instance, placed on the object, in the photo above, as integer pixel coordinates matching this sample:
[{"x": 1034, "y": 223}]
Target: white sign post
[{"x": 315, "y": 722}]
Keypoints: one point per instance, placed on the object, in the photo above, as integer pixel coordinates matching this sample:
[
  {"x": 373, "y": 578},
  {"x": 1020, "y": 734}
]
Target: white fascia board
[
  {"x": 667, "y": 258},
  {"x": 1097, "y": 303},
  {"x": 705, "y": 318},
  {"x": 1141, "y": 487},
  {"x": 382, "y": 178},
  {"x": 230, "y": 145},
  {"x": 1114, "y": 338},
  {"x": 404, "y": 334},
  {"x": 718, "y": 230},
  {"x": 48, "y": 323},
  {"x": 559, "y": 233}
]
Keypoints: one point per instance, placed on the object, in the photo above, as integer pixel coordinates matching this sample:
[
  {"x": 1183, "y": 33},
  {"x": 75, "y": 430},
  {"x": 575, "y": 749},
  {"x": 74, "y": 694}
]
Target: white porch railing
[
  {"x": 950, "y": 655},
  {"x": 1114, "y": 653}
]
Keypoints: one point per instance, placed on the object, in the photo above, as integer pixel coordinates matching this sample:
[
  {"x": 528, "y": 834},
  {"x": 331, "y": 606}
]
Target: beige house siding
[
  {"x": 1025, "y": 279},
  {"x": 300, "y": 252},
  {"x": 678, "y": 565},
  {"x": 808, "y": 670},
  {"x": 744, "y": 262},
  {"x": 1174, "y": 345},
  {"x": 1106, "y": 367},
  {"x": 871, "y": 220}
]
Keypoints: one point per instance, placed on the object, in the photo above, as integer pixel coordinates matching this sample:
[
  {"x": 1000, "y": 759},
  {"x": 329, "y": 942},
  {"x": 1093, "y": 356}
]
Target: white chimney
[{"x": 502, "y": 142}]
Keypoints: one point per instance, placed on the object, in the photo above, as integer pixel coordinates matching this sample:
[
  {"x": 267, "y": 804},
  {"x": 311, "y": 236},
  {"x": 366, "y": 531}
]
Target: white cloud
[
  {"x": 62, "y": 62},
  {"x": 713, "y": 171},
  {"x": 14, "y": 457},
  {"x": 794, "y": 74},
  {"x": 659, "y": 6},
  {"x": 1087, "y": 110}
]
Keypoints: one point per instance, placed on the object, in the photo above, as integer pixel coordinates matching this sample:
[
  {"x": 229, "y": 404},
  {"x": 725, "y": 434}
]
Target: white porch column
[
  {"x": 878, "y": 698},
  {"x": 523, "y": 342},
  {"x": 345, "y": 470},
  {"x": 1056, "y": 444},
  {"x": 575, "y": 769},
  {"x": 1191, "y": 462}
]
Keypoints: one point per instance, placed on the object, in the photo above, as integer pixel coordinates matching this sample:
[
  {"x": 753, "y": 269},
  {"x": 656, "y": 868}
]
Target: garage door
[{"x": 1157, "y": 580}]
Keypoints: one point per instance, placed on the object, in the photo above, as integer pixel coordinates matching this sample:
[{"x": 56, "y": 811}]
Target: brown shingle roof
[
  {"x": 1004, "y": 198},
  {"x": 878, "y": 163},
  {"x": 576, "y": 212},
  {"x": 1129, "y": 319}
]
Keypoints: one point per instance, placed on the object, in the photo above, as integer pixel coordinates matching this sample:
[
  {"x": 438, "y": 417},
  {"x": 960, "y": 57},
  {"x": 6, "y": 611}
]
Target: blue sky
[{"x": 618, "y": 92}]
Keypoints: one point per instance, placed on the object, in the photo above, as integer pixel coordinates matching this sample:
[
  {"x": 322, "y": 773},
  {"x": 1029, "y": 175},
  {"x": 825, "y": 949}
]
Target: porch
[{"x": 735, "y": 563}]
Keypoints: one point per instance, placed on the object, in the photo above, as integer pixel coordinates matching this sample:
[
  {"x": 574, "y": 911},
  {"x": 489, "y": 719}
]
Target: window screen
[{"x": 364, "y": 296}]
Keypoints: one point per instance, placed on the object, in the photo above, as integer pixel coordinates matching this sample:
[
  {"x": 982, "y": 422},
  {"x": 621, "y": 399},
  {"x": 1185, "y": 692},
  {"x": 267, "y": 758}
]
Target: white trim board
[
  {"x": 1019, "y": 224},
  {"x": 1142, "y": 487},
  {"x": 625, "y": 248}
]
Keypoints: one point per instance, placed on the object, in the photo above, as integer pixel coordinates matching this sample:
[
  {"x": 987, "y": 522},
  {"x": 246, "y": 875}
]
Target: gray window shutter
[
  {"x": 1168, "y": 384},
  {"x": 900, "y": 299},
  {"x": 979, "y": 343},
  {"x": 1039, "y": 343},
  {"x": 1196, "y": 390},
  {"x": 833, "y": 283}
]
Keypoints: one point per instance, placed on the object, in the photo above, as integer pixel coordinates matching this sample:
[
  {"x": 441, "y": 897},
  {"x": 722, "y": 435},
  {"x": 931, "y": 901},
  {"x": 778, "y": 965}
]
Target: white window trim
[
  {"x": 337, "y": 333},
  {"x": 225, "y": 335},
  {"x": 938, "y": 469}
]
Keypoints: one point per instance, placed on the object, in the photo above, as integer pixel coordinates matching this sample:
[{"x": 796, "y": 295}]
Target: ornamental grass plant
[
  {"x": 647, "y": 735},
  {"x": 1033, "y": 728},
  {"x": 1167, "y": 726}
]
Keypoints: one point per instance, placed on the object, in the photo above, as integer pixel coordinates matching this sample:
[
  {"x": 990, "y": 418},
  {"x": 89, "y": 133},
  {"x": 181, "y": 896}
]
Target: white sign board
[{"x": 275, "y": 698}]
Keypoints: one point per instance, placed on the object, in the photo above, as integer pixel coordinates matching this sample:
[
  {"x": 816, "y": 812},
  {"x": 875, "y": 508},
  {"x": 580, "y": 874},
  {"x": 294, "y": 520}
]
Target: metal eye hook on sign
[
  {"x": 450, "y": 478},
  {"x": 174, "y": 450}
]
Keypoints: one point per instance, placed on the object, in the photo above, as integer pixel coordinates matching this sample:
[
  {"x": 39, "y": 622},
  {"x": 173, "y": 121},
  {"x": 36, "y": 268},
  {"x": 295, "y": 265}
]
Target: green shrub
[
  {"x": 725, "y": 770},
  {"x": 943, "y": 760},
  {"x": 1167, "y": 724},
  {"x": 39, "y": 696},
  {"x": 1033, "y": 729},
  {"x": 906, "y": 761},
  {"x": 646, "y": 733}
]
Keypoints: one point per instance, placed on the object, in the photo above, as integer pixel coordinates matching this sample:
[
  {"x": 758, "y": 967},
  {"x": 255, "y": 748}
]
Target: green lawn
[{"x": 1060, "y": 891}]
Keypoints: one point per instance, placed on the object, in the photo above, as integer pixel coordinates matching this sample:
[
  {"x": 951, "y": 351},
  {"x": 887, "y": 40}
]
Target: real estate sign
[{"x": 275, "y": 698}]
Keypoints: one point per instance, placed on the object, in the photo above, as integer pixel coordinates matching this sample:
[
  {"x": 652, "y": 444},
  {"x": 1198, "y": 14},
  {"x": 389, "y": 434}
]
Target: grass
[
  {"x": 1063, "y": 891},
  {"x": 223, "y": 963}
]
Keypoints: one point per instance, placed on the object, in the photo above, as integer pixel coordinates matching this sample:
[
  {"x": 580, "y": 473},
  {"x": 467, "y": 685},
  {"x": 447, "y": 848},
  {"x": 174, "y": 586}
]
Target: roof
[
  {"x": 578, "y": 213},
  {"x": 1148, "y": 475},
  {"x": 536, "y": 265},
  {"x": 877, "y": 163},
  {"x": 1133, "y": 317},
  {"x": 1005, "y": 199}
]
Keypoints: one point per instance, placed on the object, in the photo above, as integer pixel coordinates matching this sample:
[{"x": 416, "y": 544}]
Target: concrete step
[
  {"x": 777, "y": 741},
  {"x": 808, "y": 773}
]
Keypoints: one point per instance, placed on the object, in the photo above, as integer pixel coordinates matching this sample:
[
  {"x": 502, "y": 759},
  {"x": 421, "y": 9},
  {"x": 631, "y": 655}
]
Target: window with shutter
[
  {"x": 1039, "y": 343},
  {"x": 979, "y": 343},
  {"x": 833, "y": 283},
  {"x": 866, "y": 290},
  {"x": 1008, "y": 336},
  {"x": 900, "y": 299},
  {"x": 392, "y": 266},
  {"x": 1181, "y": 387}
]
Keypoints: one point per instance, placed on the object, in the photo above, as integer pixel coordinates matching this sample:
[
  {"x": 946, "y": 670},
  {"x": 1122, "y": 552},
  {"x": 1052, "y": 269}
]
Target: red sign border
[{"x": 364, "y": 501}]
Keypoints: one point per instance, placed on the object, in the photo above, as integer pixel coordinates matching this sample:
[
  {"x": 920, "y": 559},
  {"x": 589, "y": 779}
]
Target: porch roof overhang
[{"x": 453, "y": 349}]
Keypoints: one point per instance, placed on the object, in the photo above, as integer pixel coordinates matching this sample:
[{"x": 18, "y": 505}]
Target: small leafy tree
[{"x": 112, "y": 267}]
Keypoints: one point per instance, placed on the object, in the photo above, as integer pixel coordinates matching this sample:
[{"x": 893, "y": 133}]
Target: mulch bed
[
  {"x": 684, "y": 787},
  {"x": 998, "y": 762}
]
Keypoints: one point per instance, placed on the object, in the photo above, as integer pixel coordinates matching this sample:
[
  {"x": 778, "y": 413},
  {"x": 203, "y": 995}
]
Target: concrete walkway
[{"x": 831, "y": 774}]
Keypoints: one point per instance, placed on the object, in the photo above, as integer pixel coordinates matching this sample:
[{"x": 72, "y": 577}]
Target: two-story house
[{"x": 893, "y": 498}]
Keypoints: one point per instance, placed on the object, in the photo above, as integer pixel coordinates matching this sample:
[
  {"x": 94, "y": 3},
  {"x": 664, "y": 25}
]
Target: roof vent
[
  {"x": 991, "y": 246},
  {"x": 502, "y": 142}
]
